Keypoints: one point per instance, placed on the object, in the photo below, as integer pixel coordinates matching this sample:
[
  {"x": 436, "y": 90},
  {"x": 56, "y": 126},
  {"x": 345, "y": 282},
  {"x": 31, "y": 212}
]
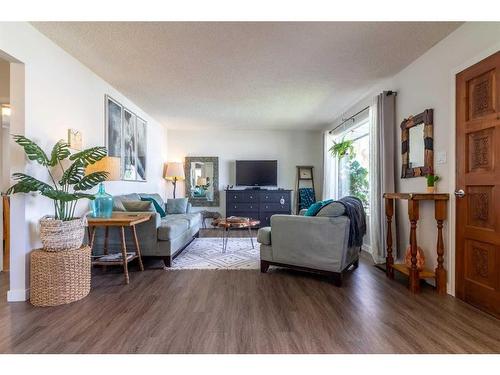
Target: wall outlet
[{"x": 441, "y": 157}]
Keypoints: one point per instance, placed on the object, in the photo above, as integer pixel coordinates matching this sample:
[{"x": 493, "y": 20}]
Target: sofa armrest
[{"x": 310, "y": 241}]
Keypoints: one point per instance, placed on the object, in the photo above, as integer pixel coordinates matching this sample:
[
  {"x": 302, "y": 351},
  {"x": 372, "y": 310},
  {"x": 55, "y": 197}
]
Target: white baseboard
[{"x": 18, "y": 295}]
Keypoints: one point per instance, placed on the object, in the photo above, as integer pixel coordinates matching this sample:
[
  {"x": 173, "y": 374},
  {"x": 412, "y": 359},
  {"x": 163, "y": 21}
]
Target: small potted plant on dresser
[
  {"x": 431, "y": 182},
  {"x": 63, "y": 230}
]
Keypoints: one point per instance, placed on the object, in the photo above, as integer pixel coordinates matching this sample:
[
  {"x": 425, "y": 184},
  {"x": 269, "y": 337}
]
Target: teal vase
[{"x": 102, "y": 205}]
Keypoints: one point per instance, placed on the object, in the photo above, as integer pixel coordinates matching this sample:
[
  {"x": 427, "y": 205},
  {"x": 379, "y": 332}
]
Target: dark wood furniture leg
[
  {"x": 167, "y": 261},
  {"x": 124, "y": 255},
  {"x": 137, "y": 248},
  {"x": 389, "y": 260},
  {"x": 440, "y": 216},
  {"x": 264, "y": 266},
  {"x": 413, "y": 208}
]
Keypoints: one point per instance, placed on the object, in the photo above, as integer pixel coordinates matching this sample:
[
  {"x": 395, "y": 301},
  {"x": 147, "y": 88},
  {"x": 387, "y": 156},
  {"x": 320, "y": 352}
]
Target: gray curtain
[{"x": 382, "y": 169}]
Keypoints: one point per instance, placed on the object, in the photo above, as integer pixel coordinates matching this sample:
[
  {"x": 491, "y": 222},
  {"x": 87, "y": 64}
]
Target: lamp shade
[
  {"x": 108, "y": 164},
  {"x": 174, "y": 171}
]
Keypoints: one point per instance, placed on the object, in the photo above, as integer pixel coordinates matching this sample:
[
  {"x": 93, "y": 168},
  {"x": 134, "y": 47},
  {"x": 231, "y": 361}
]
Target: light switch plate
[{"x": 441, "y": 157}]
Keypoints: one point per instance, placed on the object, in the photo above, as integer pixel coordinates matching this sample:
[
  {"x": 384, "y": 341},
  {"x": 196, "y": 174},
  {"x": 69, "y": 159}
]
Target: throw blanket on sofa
[{"x": 356, "y": 213}]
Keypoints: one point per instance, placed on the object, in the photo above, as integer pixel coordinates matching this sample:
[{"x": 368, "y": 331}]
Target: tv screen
[{"x": 256, "y": 172}]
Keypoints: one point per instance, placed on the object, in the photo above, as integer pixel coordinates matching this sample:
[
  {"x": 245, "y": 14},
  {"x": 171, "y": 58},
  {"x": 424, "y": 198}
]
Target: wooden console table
[
  {"x": 439, "y": 274},
  {"x": 120, "y": 220}
]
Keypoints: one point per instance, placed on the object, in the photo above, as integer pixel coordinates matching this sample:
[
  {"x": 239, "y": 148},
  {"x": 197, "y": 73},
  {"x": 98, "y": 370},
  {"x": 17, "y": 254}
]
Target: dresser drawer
[
  {"x": 275, "y": 197},
  {"x": 241, "y": 196},
  {"x": 275, "y": 207},
  {"x": 243, "y": 206}
]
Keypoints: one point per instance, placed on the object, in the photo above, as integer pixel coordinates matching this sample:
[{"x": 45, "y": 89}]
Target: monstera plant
[{"x": 65, "y": 193}]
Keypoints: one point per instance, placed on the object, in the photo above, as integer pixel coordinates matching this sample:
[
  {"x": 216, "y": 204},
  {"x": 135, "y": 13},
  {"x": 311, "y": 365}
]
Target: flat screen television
[{"x": 256, "y": 172}]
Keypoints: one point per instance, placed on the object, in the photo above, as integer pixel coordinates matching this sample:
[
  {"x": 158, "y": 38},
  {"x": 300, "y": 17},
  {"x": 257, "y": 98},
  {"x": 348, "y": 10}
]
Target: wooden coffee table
[
  {"x": 234, "y": 222},
  {"x": 120, "y": 220}
]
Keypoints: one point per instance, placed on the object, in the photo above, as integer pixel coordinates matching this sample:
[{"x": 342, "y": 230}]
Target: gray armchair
[{"x": 311, "y": 243}]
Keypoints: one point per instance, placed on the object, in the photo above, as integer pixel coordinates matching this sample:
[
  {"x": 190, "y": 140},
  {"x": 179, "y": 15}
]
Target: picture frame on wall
[
  {"x": 142, "y": 148},
  {"x": 126, "y": 138}
]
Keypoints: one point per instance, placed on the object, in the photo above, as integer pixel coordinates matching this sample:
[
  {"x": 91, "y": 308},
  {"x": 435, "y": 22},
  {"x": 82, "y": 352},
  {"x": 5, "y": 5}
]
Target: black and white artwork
[
  {"x": 114, "y": 127},
  {"x": 129, "y": 146},
  {"x": 126, "y": 137},
  {"x": 141, "y": 149}
]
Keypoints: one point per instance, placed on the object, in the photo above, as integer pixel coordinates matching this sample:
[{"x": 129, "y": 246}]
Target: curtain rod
[
  {"x": 347, "y": 119},
  {"x": 388, "y": 93}
]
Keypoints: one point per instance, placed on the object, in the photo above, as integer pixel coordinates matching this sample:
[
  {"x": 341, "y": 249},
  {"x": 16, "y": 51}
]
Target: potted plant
[
  {"x": 342, "y": 148},
  {"x": 63, "y": 230},
  {"x": 431, "y": 182}
]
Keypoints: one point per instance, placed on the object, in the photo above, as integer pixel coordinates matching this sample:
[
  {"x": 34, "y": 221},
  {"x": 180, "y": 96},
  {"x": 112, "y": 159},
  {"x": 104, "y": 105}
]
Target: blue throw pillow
[
  {"x": 316, "y": 207},
  {"x": 157, "y": 207}
]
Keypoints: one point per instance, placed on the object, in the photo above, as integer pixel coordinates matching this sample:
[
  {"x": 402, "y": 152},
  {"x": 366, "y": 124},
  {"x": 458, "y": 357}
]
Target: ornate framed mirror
[
  {"x": 417, "y": 145},
  {"x": 202, "y": 180}
]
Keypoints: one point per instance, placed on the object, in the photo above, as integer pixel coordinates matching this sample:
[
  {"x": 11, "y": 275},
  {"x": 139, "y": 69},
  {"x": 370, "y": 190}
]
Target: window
[{"x": 352, "y": 170}]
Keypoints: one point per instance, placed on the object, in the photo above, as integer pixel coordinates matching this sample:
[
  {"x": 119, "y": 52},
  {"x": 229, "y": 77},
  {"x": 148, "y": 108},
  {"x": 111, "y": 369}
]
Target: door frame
[{"x": 452, "y": 233}]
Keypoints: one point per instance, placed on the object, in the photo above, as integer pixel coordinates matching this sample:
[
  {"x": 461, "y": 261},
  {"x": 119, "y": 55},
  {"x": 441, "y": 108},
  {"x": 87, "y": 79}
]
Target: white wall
[
  {"x": 429, "y": 83},
  {"x": 290, "y": 148},
  {"x": 61, "y": 93}
]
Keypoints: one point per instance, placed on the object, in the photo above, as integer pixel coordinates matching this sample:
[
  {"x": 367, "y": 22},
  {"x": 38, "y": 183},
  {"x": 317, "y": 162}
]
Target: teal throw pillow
[
  {"x": 316, "y": 207},
  {"x": 156, "y": 205}
]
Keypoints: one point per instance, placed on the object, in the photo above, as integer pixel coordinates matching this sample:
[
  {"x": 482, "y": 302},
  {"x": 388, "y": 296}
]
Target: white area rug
[{"x": 206, "y": 253}]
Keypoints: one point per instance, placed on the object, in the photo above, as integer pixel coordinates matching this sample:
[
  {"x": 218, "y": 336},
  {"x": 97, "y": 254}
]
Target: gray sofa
[
  {"x": 158, "y": 237},
  {"x": 310, "y": 243}
]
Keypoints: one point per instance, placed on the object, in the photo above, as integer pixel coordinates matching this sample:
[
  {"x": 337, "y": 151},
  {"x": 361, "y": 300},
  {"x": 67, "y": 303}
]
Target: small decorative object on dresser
[{"x": 431, "y": 182}]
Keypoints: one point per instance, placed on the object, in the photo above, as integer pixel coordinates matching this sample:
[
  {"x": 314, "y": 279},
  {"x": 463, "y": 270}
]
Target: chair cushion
[
  {"x": 177, "y": 206},
  {"x": 333, "y": 209},
  {"x": 156, "y": 205},
  {"x": 193, "y": 218},
  {"x": 264, "y": 236},
  {"x": 138, "y": 206},
  {"x": 172, "y": 228},
  {"x": 315, "y": 207}
]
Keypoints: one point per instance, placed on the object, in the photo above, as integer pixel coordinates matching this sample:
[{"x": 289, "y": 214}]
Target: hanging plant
[{"x": 342, "y": 148}]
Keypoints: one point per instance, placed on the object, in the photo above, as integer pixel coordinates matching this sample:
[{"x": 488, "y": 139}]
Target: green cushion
[
  {"x": 316, "y": 207},
  {"x": 156, "y": 205},
  {"x": 157, "y": 197},
  {"x": 177, "y": 206}
]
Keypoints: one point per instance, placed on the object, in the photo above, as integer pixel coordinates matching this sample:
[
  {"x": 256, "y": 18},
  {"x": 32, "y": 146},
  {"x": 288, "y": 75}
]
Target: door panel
[{"x": 478, "y": 174}]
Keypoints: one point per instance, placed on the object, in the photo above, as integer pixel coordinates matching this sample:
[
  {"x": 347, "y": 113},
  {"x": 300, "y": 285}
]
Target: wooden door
[{"x": 478, "y": 175}]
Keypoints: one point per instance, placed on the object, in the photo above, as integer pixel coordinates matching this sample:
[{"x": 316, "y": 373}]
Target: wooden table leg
[
  {"x": 105, "y": 249},
  {"x": 389, "y": 260},
  {"x": 414, "y": 274},
  {"x": 138, "y": 249},
  {"x": 124, "y": 255},
  {"x": 440, "y": 216}
]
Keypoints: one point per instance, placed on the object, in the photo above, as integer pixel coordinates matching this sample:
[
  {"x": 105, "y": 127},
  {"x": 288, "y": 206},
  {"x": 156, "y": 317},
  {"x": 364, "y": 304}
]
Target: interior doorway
[{"x": 478, "y": 185}]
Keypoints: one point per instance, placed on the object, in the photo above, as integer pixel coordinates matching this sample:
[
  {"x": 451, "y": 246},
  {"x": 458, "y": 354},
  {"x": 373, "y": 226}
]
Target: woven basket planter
[
  {"x": 58, "y": 235},
  {"x": 59, "y": 277}
]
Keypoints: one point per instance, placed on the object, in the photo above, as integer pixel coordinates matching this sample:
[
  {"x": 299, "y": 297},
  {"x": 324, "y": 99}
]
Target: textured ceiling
[{"x": 273, "y": 75}]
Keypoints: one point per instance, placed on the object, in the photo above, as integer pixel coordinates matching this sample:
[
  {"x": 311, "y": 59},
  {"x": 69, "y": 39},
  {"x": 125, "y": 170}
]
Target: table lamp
[
  {"x": 102, "y": 205},
  {"x": 174, "y": 172}
]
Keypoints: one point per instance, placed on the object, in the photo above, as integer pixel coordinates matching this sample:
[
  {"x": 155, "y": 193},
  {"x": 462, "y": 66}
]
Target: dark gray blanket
[{"x": 356, "y": 213}]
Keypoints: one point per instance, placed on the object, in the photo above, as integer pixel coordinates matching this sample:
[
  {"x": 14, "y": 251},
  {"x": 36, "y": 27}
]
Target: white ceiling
[{"x": 276, "y": 75}]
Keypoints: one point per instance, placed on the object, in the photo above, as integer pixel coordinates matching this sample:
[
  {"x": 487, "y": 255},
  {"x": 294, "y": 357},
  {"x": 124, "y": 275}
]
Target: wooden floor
[{"x": 248, "y": 312}]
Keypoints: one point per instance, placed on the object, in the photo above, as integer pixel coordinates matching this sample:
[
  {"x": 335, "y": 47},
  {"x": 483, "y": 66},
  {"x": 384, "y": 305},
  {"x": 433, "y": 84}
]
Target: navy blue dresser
[{"x": 258, "y": 204}]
